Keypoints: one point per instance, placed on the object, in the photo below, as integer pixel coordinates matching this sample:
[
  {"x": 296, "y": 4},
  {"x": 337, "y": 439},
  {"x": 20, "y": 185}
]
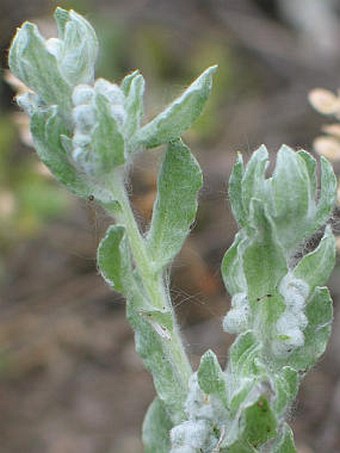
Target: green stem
[{"x": 153, "y": 282}]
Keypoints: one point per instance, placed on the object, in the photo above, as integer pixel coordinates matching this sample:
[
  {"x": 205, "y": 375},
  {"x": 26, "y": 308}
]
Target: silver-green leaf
[
  {"x": 156, "y": 429},
  {"x": 180, "y": 115},
  {"x": 78, "y": 48},
  {"x": 114, "y": 259},
  {"x": 33, "y": 64},
  {"x": 175, "y": 207},
  {"x": 47, "y": 130}
]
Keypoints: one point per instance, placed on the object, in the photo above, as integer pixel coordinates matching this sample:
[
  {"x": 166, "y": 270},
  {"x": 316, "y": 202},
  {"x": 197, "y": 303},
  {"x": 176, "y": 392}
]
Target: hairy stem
[{"x": 155, "y": 288}]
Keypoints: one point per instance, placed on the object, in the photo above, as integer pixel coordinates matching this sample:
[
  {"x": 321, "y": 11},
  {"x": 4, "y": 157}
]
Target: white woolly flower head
[
  {"x": 86, "y": 116},
  {"x": 236, "y": 320},
  {"x": 294, "y": 291}
]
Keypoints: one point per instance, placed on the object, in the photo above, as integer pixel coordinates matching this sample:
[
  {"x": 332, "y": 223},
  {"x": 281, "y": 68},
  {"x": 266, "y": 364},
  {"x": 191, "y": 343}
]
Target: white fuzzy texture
[
  {"x": 190, "y": 434},
  {"x": 118, "y": 112},
  {"x": 203, "y": 412},
  {"x": 54, "y": 46},
  {"x": 283, "y": 347},
  {"x": 85, "y": 118},
  {"x": 293, "y": 321},
  {"x": 81, "y": 140},
  {"x": 236, "y": 320},
  {"x": 29, "y": 102},
  {"x": 294, "y": 290},
  {"x": 82, "y": 94},
  {"x": 110, "y": 90}
]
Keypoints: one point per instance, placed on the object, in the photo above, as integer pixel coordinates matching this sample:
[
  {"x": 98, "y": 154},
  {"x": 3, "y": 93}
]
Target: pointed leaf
[
  {"x": 316, "y": 267},
  {"x": 285, "y": 444},
  {"x": 30, "y": 61},
  {"x": 232, "y": 267},
  {"x": 61, "y": 17},
  {"x": 114, "y": 259},
  {"x": 311, "y": 168},
  {"x": 328, "y": 193},
  {"x": 253, "y": 183},
  {"x": 235, "y": 191},
  {"x": 161, "y": 321},
  {"x": 152, "y": 346},
  {"x": 260, "y": 423},
  {"x": 180, "y": 115},
  {"x": 127, "y": 81},
  {"x": 47, "y": 128},
  {"x": 210, "y": 376},
  {"x": 264, "y": 263},
  {"x": 255, "y": 422},
  {"x": 79, "y": 47},
  {"x": 286, "y": 388},
  {"x": 241, "y": 356},
  {"x": 134, "y": 105},
  {"x": 175, "y": 208},
  {"x": 108, "y": 142},
  {"x": 156, "y": 429},
  {"x": 291, "y": 194}
]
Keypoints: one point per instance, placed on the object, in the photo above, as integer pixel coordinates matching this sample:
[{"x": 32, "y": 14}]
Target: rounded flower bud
[
  {"x": 82, "y": 94},
  {"x": 110, "y": 90},
  {"x": 119, "y": 114},
  {"x": 236, "y": 320},
  {"x": 287, "y": 343},
  {"x": 81, "y": 140},
  {"x": 84, "y": 117}
]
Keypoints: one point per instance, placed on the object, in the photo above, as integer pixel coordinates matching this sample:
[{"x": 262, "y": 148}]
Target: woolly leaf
[
  {"x": 286, "y": 388},
  {"x": 235, "y": 191},
  {"x": 210, "y": 376},
  {"x": 156, "y": 429},
  {"x": 180, "y": 115},
  {"x": 241, "y": 357},
  {"x": 291, "y": 195},
  {"x": 254, "y": 424},
  {"x": 264, "y": 262},
  {"x": 47, "y": 128},
  {"x": 78, "y": 47},
  {"x": 179, "y": 181},
  {"x": 114, "y": 259},
  {"x": 328, "y": 194},
  {"x": 316, "y": 267},
  {"x": 253, "y": 182},
  {"x": 285, "y": 443},
  {"x": 108, "y": 143},
  {"x": 232, "y": 267},
  {"x": 33, "y": 64},
  {"x": 127, "y": 81},
  {"x": 311, "y": 168},
  {"x": 260, "y": 422},
  {"x": 134, "y": 105}
]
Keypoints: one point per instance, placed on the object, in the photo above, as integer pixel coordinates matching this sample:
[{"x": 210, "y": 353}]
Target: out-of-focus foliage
[
  {"x": 328, "y": 104},
  {"x": 154, "y": 50},
  {"x": 28, "y": 197}
]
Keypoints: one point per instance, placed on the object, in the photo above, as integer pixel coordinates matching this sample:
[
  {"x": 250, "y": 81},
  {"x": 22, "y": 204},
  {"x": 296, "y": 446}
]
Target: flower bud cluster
[
  {"x": 293, "y": 321},
  {"x": 236, "y": 320},
  {"x": 85, "y": 117},
  {"x": 198, "y": 433}
]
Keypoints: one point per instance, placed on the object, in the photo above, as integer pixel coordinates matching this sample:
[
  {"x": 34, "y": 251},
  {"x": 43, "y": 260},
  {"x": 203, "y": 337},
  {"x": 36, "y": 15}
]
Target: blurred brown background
[{"x": 70, "y": 381}]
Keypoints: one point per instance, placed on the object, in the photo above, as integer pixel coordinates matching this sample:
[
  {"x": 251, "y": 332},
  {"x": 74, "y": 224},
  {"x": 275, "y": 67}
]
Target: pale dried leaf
[
  {"x": 324, "y": 101},
  {"x": 328, "y": 147}
]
